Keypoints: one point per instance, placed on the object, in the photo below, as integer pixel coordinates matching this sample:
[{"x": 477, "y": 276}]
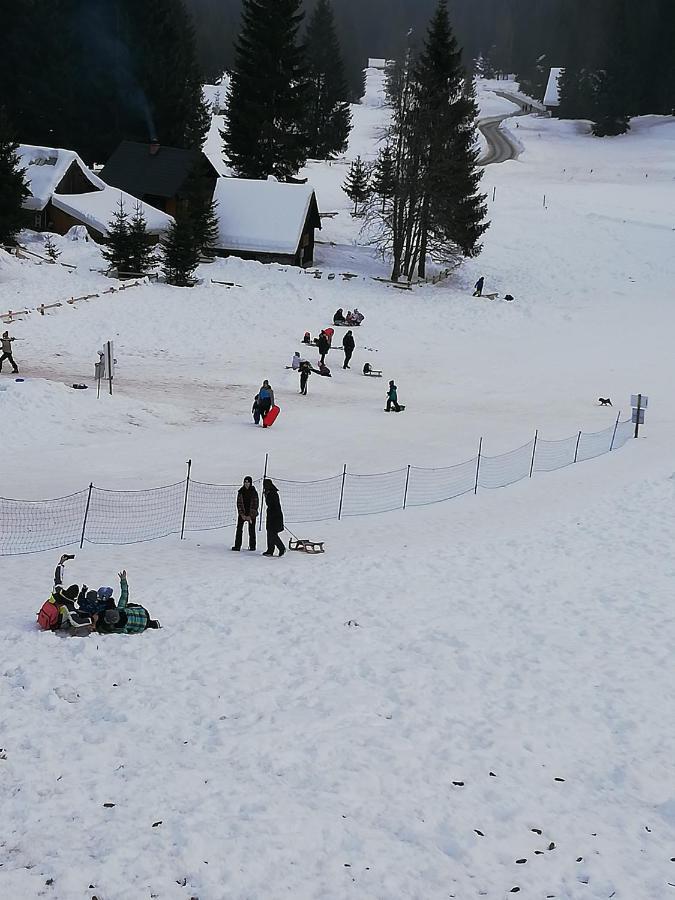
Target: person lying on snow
[
  {"x": 125, "y": 618},
  {"x": 61, "y": 611}
]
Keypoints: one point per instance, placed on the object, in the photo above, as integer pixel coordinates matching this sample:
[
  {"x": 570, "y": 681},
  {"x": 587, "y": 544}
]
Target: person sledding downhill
[{"x": 126, "y": 618}]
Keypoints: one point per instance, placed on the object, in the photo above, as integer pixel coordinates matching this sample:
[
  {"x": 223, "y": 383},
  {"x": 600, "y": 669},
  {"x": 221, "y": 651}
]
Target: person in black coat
[
  {"x": 348, "y": 346},
  {"x": 324, "y": 345},
  {"x": 305, "y": 370},
  {"x": 274, "y": 520},
  {"x": 247, "y": 510},
  {"x": 478, "y": 287},
  {"x": 339, "y": 317}
]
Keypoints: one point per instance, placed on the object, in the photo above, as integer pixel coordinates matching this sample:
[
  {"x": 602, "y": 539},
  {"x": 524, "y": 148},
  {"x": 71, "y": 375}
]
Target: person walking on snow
[
  {"x": 324, "y": 346},
  {"x": 247, "y": 510},
  {"x": 274, "y": 519},
  {"x": 6, "y": 343},
  {"x": 392, "y": 398},
  {"x": 265, "y": 400},
  {"x": 348, "y": 346},
  {"x": 305, "y": 370},
  {"x": 478, "y": 292}
]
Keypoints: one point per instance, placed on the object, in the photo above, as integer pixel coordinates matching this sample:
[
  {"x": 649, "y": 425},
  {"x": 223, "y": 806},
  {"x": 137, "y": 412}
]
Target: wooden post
[
  {"x": 616, "y": 425},
  {"x": 108, "y": 348},
  {"x": 494, "y": 193},
  {"x": 405, "y": 492},
  {"x": 480, "y": 448},
  {"x": 342, "y": 490},
  {"x": 576, "y": 449},
  {"x": 185, "y": 503},
  {"x": 534, "y": 450},
  {"x": 637, "y": 418},
  {"x": 86, "y": 514}
]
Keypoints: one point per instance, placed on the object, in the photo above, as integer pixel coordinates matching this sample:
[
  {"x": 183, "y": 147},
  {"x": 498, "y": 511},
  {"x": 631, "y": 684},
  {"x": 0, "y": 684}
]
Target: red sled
[{"x": 271, "y": 417}]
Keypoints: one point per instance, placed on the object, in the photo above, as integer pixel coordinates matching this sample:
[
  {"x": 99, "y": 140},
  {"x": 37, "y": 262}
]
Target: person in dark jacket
[
  {"x": 247, "y": 510},
  {"x": 348, "y": 346},
  {"x": 265, "y": 399},
  {"x": 478, "y": 287},
  {"x": 6, "y": 345},
  {"x": 392, "y": 398},
  {"x": 324, "y": 345},
  {"x": 305, "y": 370},
  {"x": 255, "y": 409},
  {"x": 274, "y": 519},
  {"x": 339, "y": 317},
  {"x": 125, "y": 618}
]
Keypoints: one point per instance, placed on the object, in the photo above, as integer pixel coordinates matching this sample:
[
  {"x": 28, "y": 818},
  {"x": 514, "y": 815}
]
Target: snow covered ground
[{"x": 259, "y": 746}]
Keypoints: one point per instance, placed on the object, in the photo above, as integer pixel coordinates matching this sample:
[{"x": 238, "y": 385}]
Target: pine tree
[
  {"x": 142, "y": 248},
  {"x": 384, "y": 175},
  {"x": 180, "y": 253},
  {"x": 328, "y": 120},
  {"x": 613, "y": 91},
  {"x": 51, "y": 250},
  {"x": 116, "y": 248},
  {"x": 205, "y": 227},
  {"x": 452, "y": 215},
  {"x": 357, "y": 183},
  {"x": 13, "y": 188},
  {"x": 264, "y": 132}
]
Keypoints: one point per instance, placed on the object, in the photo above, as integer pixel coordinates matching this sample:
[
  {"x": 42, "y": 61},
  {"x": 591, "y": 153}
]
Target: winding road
[{"x": 501, "y": 146}]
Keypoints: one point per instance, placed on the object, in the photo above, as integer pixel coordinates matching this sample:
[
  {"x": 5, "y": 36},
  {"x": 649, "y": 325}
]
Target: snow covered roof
[
  {"x": 374, "y": 63},
  {"x": 46, "y": 168},
  {"x": 552, "y": 94},
  {"x": 97, "y": 209},
  {"x": 263, "y": 216}
]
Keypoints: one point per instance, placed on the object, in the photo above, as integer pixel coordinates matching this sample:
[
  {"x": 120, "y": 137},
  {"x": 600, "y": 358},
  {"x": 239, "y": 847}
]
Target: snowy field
[{"x": 454, "y": 701}]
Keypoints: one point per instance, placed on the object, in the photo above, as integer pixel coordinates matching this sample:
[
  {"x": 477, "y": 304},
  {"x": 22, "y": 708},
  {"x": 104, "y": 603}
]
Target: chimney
[{"x": 154, "y": 147}]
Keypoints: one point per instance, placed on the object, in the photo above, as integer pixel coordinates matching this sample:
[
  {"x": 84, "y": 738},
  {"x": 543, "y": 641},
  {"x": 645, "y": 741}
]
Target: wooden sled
[{"x": 306, "y": 546}]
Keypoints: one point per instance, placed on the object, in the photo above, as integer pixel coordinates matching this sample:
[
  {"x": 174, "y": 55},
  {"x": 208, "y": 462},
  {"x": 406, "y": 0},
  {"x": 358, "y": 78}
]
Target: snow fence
[{"x": 100, "y": 516}]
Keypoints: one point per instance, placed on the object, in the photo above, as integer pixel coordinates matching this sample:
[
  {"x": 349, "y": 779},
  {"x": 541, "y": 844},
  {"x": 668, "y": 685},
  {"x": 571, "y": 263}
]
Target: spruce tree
[
  {"x": 205, "y": 227},
  {"x": 142, "y": 252},
  {"x": 13, "y": 188},
  {"x": 452, "y": 215},
  {"x": 116, "y": 248},
  {"x": 51, "y": 250},
  {"x": 613, "y": 91},
  {"x": 264, "y": 133},
  {"x": 328, "y": 120},
  {"x": 357, "y": 183},
  {"x": 180, "y": 253},
  {"x": 384, "y": 175}
]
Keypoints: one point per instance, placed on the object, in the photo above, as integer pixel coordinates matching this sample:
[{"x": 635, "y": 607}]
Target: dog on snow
[{"x": 604, "y": 401}]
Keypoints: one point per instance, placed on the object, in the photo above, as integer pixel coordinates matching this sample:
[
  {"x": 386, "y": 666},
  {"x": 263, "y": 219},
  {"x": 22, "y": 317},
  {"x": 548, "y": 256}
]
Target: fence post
[
  {"x": 262, "y": 501},
  {"x": 576, "y": 449},
  {"x": 480, "y": 448},
  {"x": 637, "y": 416},
  {"x": 405, "y": 492},
  {"x": 342, "y": 490},
  {"x": 187, "y": 488},
  {"x": 616, "y": 425},
  {"x": 534, "y": 450},
  {"x": 86, "y": 513}
]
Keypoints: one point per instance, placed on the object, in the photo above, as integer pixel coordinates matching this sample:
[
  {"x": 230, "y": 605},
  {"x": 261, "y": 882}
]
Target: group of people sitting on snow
[
  {"x": 79, "y": 610},
  {"x": 352, "y": 318}
]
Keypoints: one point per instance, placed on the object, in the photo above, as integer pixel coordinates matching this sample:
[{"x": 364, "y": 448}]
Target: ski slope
[{"x": 260, "y": 745}]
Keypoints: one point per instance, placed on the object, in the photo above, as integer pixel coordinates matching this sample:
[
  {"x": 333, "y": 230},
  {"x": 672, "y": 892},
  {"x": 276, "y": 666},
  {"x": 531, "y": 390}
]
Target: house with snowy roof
[
  {"x": 552, "y": 93},
  {"x": 169, "y": 178},
  {"x": 267, "y": 220},
  {"x": 65, "y": 192}
]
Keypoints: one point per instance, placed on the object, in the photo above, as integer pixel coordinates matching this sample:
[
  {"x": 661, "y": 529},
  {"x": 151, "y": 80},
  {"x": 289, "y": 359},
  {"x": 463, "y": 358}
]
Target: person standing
[
  {"x": 247, "y": 510},
  {"x": 274, "y": 519},
  {"x": 478, "y": 287},
  {"x": 392, "y": 398},
  {"x": 324, "y": 346},
  {"x": 304, "y": 370},
  {"x": 348, "y": 346},
  {"x": 265, "y": 400},
  {"x": 6, "y": 343}
]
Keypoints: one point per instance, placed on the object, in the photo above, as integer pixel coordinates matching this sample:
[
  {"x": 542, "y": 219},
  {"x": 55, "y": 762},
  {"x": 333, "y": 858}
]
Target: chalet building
[
  {"x": 64, "y": 193},
  {"x": 167, "y": 178},
  {"x": 270, "y": 221},
  {"x": 552, "y": 94}
]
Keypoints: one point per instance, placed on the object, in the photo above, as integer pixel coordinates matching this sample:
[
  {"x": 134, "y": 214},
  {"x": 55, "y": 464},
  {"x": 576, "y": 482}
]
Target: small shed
[
  {"x": 64, "y": 192},
  {"x": 169, "y": 178},
  {"x": 266, "y": 220},
  {"x": 552, "y": 93}
]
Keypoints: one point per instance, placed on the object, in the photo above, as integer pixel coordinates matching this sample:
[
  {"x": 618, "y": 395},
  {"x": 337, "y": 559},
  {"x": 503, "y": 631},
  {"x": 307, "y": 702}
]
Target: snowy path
[{"x": 501, "y": 146}]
